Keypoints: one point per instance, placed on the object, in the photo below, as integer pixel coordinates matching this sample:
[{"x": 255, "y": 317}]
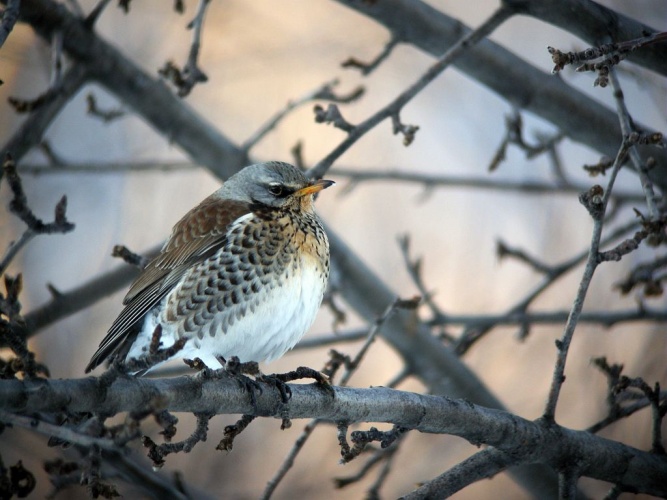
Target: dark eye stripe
[{"x": 279, "y": 191}]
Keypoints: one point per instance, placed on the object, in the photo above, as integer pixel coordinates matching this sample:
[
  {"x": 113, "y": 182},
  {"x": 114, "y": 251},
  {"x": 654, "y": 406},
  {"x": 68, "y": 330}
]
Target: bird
[{"x": 242, "y": 274}]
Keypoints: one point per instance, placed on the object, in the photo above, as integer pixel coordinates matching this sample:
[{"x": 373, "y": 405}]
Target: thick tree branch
[
  {"x": 148, "y": 96},
  {"x": 529, "y": 442},
  {"x": 524, "y": 86},
  {"x": 594, "y": 23},
  {"x": 31, "y": 131},
  {"x": 9, "y": 18}
]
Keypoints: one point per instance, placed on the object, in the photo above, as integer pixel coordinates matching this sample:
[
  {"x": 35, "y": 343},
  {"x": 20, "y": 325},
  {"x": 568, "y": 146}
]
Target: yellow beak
[{"x": 315, "y": 187}]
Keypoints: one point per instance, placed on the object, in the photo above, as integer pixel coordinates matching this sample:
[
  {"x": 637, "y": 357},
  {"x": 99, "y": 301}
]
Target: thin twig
[
  {"x": 57, "y": 60},
  {"x": 627, "y": 129},
  {"x": 394, "y": 108},
  {"x": 324, "y": 92},
  {"x": 355, "y": 174},
  {"x": 106, "y": 115},
  {"x": 596, "y": 208},
  {"x": 94, "y": 15},
  {"x": 397, "y": 304},
  {"x": 358, "y": 175},
  {"x": 61, "y": 432},
  {"x": 514, "y": 135},
  {"x": 414, "y": 267},
  {"x": 368, "y": 68},
  {"x": 191, "y": 75},
  {"x": 19, "y": 207},
  {"x": 31, "y": 131},
  {"x": 484, "y": 464},
  {"x": 287, "y": 464},
  {"x": 475, "y": 331}
]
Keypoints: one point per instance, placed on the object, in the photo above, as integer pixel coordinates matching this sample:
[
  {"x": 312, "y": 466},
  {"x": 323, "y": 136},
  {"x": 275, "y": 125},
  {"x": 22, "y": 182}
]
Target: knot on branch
[
  {"x": 408, "y": 131},
  {"x": 333, "y": 116},
  {"x": 106, "y": 115},
  {"x": 593, "y": 200},
  {"x": 184, "y": 80},
  {"x": 134, "y": 259},
  {"x": 600, "y": 168},
  {"x": 644, "y": 139}
]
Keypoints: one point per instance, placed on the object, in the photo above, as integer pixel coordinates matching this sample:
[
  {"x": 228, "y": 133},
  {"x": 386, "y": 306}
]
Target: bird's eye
[{"x": 276, "y": 189}]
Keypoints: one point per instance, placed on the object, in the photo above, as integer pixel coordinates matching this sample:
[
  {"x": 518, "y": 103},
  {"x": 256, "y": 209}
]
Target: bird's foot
[
  {"x": 198, "y": 365},
  {"x": 279, "y": 380},
  {"x": 232, "y": 368},
  {"x": 276, "y": 381}
]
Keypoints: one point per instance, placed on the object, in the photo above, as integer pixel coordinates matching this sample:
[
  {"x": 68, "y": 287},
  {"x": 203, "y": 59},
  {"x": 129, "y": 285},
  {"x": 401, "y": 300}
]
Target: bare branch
[
  {"x": 482, "y": 465},
  {"x": 288, "y": 462},
  {"x": 503, "y": 251},
  {"x": 603, "y": 57},
  {"x": 9, "y": 17},
  {"x": 359, "y": 175},
  {"x": 527, "y": 441},
  {"x": 476, "y": 330},
  {"x": 19, "y": 207},
  {"x": 628, "y": 129},
  {"x": 367, "y": 68},
  {"x": 95, "y": 14},
  {"x": 333, "y": 116},
  {"x": 105, "y": 115},
  {"x": 31, "y": 131},
  {"x": 568, "y": 109},
  {"x": 129, "y": 256},
  {"x": 596, "y": 208},
  {"x": 324, "y": 92},
  {"x": 394, "y": 108},
  {"x": 514, "y": 135},
  {"x": 191, "y": 74}
]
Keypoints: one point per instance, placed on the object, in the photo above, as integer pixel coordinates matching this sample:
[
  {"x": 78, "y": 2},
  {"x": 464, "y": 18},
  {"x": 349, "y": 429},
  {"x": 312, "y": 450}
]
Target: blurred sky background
[{"x": 258, "y": 55}]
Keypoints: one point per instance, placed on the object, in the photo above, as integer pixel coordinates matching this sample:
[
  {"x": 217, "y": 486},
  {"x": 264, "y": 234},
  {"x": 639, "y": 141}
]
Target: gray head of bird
[{"x": 274, "y": 184}]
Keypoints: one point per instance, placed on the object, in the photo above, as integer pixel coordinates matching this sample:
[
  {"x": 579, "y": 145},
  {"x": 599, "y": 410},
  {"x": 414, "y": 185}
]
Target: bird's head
[{"x": 274, "y": 184}]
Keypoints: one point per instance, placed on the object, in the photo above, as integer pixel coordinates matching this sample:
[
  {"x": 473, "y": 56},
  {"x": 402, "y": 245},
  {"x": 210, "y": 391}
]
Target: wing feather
[{"x": 193, "y": 239}]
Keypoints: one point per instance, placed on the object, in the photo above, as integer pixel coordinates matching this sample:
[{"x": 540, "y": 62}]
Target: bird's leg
[{"x": 155, "y": 356}]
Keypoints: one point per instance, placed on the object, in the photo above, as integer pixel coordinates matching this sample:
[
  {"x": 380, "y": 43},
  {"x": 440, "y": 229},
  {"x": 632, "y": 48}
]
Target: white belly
[{"x": 279, "y": 320}]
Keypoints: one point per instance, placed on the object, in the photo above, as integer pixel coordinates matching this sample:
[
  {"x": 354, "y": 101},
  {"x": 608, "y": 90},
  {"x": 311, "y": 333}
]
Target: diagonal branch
[
  {"x": 596, "y": 202},
  {"x": 594, "y": 22},
  {"x": 9, "y": 18},
  {"x": 393, "y": 109},
  {"x": 525, "y": 87}
]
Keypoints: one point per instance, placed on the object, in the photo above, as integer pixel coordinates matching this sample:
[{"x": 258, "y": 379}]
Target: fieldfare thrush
[{"x": 242, "y": 274}]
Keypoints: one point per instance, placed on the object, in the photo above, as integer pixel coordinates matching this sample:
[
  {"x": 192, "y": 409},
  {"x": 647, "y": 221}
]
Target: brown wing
[{"x": 195, "y": 237}]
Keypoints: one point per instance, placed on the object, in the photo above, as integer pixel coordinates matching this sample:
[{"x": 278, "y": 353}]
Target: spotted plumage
[{"x": 242, "y": 274}]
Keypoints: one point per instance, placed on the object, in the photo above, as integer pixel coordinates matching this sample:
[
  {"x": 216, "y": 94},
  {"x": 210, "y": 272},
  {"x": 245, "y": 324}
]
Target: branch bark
[
  {"x": 525, "y": 441},
  {"x": 595, "y": 23}
]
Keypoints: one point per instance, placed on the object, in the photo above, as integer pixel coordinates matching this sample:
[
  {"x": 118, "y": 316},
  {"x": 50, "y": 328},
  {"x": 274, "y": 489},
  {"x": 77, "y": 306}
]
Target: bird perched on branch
[{"x": 242, "y": 274}]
